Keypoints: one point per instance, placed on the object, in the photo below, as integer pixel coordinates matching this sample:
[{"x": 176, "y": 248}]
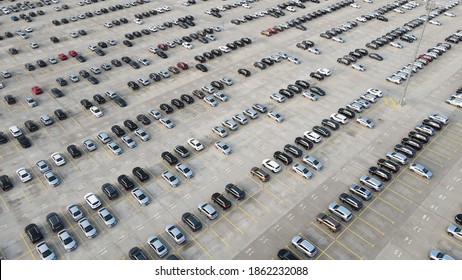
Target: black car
[
  {"x": 10, "y": 99},
  {"x": 155, "y": 77},
  {"x": 458, "y": 219},
  {"x": 55, "y": 222},
  {"x": 287, "y": 255},
  {"x": 287, "y": 93},
  {"x": 133, "y": 85},
  {"x": 3, "y": 138},
  {"x": 235, "y": 191},
  {"x": 408, "y": 151},
  {"x": 31, "y": 125},
  {"x": 60, "y": 114},
  {"x": 388, "y": 164},
  {"x": 82, "y": 32},
  {"x": 177, "y": 103},
  {"x": 201, "y": 67},
  {"x": 134, "y": 65},
  {"x": 200, "y": 58},
  {"x": 318, "y": 91},
  {"x": 208, "y": 55},
  {"x": 57, "y": 92},
  {"x": 187, "y": 98},
  {"x": 260, "y": 65},
  {"x": 84, "y": 73},
  {"x": 244, "y": 72},
  {"x": 346, "y": 112},
  {"x": 99, "y": 99},
  {"x": 376, "y": 56},
  {"x": 432, "y": 123},
  {"x": 382, "y": 173},
  {"x": 166, "y": 108},
  {"x": 412, "y": 142},
  {"x": 116, "y": 62},
  {"x": 305, "y": 143},
  {"x": 317, "y": 76},
  {"x": 130, "y": 125},
  {"x": 218, "y": 85},
  {"x": 321, "y": 131},
  {"x": 162, "y": 54},
  {"x": 54, "y": 39},
  {"x": 118, "y": 130},
  {"x": 5, "y": 183},
  {"x": 110, "y": 191},
  {"x": 29, "y": 67},
  {"x": 127, "y": 43},
  {"x": 190, "y": 219},
  {"x": 126, "y": 182},
  {"x": 216, "y": 52},
  {"x": 74, "y": 151},
  {"x": 295, "y": 88},
  {"x": 296, "y": 152},
  {"x": 34, "y": 233},
  {"x": 221, "y": 200},
  {"x": 285, "y": 158},
  {"x": 140, "y": 173},
  {"x": 61, "y": 82},
  {"x": 137, "y": 254},
  {"x": 41, "y": 63},
  {"x": 168, "y": 157},
  {"x": 120, "y": 101},
  {"x": 102, "y": 45},
  {"x": 86, "y": 103},
  {"x": 303, "y": 84},
  {"x": 80, "y": 58},
  {"x": 351, "y": 201},
  {"x": 24, "y": 141},
  {"x": 143, "y": 119},
  {"x": 330, "y": 124}
]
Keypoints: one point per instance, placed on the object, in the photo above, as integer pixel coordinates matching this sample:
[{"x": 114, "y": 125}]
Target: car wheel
[{"x": 450, "y": 234}]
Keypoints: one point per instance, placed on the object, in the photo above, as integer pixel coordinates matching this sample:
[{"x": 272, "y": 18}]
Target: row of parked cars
[
  {"x": 456, "y": 98},
  {"x": 227, "y": 48},
  {"x": 452, "y": 230}
]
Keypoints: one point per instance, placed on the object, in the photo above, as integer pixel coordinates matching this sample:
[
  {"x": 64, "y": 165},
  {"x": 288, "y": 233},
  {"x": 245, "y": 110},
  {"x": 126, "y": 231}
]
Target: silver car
[
  {"x": 157, "y": 246},
  {"x": 114, "y": 148},
  {"x": 45, "y": 251},
  {"x": 278, "y": 97},
  {"x": 275, "y": 116},
  {"x": 42, "y": 166},
  {"x": 31, "y": 101},
  {"x": 140, "y": 196},
  {"x": 361, "y": 192},
  {"x": 142, "y": 134},
  {"x": 75, "y": 212},
  {"x": 183, "y": 169},
  {"x": 439, "y": 117},
  {"x": 340, "y": 211},
  {"x": 398, "y": 157},
  {"x": 371, "y": 182},
  {"x": 365, "y": 121},
  {"x": 167, "y": 122},
  {"x": 220, "y": 131},
  {"x": 88, "y": 229},
  {"x": 425, "y": 129},
  {"x": 210, "y": 100},
  {"x": 221, "y": 96},
  {"x": 129, "y": 141},
  {"x": 421, "y": 170},
  {"x": 51, "y": 178},
  {"x": 175, "y": 233},
  {"x": 108, "y": 219},
  {"x": 222, "y": 146},
  {"x": 251, "y": 113},
  {"x": 355, "y": 107},
  {"x": 171, "y": 179},
  {"x": 454, "y": 231},
  {"x": 302, "y": 171},
  {"x": 313, "y": 162},
  {"x": 67, "y": 240},
  {"x": 240, "y": 118},
  {"x": 438, "y": 255},
  {"x": 155, "y": 114},
  {"x": 304, "y": 246},
  {"x": 89, "y": 145},
  {"x": 208, "y": 210},
  {"x": 308, "y": 94},
  {"x": 231, "y": 124}
]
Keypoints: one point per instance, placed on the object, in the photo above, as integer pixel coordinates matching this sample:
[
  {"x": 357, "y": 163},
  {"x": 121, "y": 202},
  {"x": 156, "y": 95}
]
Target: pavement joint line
[
  {"x": 409, "y": 186},
  {"x": 265, "y": 189},
  {"x": 456, "y": 132},
  {"x": 235, "y": 226},
  {"x": 445, "y": 147},
  {"x": 362, "y": 238},
  {"x": 452, "y": 140},
  {"x": 245, "y": 212},
  {"x": 25, "y": 196},
  {"x": 390, "y": 204},
  {"x": 287, "y": 187},
  {"x": 256, "y": 200},
  {"x": 439, "y": 164}
]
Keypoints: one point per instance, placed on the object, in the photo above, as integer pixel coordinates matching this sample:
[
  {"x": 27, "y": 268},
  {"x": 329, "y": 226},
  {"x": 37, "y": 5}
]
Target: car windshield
[
  {"x": 425, "y": 170},
  {"x": 161, "y": 248},
  {"x": 186, "y": 170},
  {"x": 46, "y": 253},
  {"x": 108, "y": 217},
  {"x": 67, "y": 240},
  {"x": 141, "y": 196},
  {"x": 179, "y": 235},
  {"x": 225, "y": 147},
  {"x": 88, "y": 228},
  {"x": 315, "y": 162}
]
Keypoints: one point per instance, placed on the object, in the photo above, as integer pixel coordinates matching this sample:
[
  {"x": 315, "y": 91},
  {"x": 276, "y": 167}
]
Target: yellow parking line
[
  {"x": 65, "y": 130},
  {"x": 457, "y": 132},
  {"x": 367, "y": 223},
  {"x": 395, "y": 192},
  {"x": 248, "y": 215},
  {"x": 257, "y": 201},
  {"x": 362, "y": 238},
  {"x": 452, "y": 240},
  {"x": 409, "y": 186},
  {"x": 4, "y": 202},
  {"x": 390, "y": 204},
  {"x": 27, "y": 245},
  {"x": 448, "y": 148},
  {"x": 393, "y": 102},
  {"x": 38, "y": 178},
  {"x": 148, "y": 251},
  {"x": 288, "y": 187},
  {"x": 385, "y": 99},
  {"x": 450, "y": 139},
  {"x": 383, "y": 216},
  {"x": 265, "y": 189},
  {"x": 417, "y": 177},
  {"x": 219, "y": 237},
  {"x": 321, "y": 229},
  {"x": 439, "y": 164},
  {"x": 356, "y": 255},
  {"x": 56, "y": 247},
  {"x": 25, "y": 196},
  {"x": 224, "y": 216},
  {"x": 203, "y": 249},
  {"x": 438, "y": 153}
]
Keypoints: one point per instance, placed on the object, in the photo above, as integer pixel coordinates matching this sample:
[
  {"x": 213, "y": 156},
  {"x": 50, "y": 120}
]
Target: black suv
[
  {"x": 31, "y": 126},
  {"x": 351, "y": 201},
  {"x": 330, "y": 124},
  {"x": 412, "y": 142},
  {"x": 305, "y": 143},
  {"x": 110, "y": 191},
  {"x": 74, "y": 151},
  {"x": 410, "y": 152},
  {"x": 137, "y": 254},
  {"x": 182, "y": 151},
  {"x": 34, "y": 233},
  {"x": 126, "y": 182},
  {"x": 99, "y": 98},
  {"x": 143, "y": 119},
  {"x": 140, "y": 174},
  {"x": 55, "y": 222},
  {"x": 177, "y": 103},
  {"x": 321, "y": 131},
  {"x": 187, "y": 98},
  {"x": 385, "y": 175},
  {"x": 10, "y": 99},
  {"x": 191, "y": 221},
  {"x": 390, "y": 165},
  {"x": 5, "y": 182},
  {"x": 3, "y": 139},
  {"x": 24, "y": 141},
  {"x": 418, "y": 136},
  {"x": 168, "y": 157},
  {"x": 236, "y": 192},
  {"x": 286, "y": 255},
  {"x": 285, "y": 158},
  {"x": 60, "y": 114},
  {"x": 296, "y": 152},
  {"x": 130, "y": 125},
  {"x": 219, "y": 199},
  {"x": 118, "y": 130},
  {"x": 166, "y": 108},
  {"x": 346, "y": 112},
  {"x": 86, "y": 103}
]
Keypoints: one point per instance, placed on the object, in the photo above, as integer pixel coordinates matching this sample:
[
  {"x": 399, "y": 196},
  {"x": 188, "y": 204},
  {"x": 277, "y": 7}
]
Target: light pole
[{"x": 429, "y": 6}]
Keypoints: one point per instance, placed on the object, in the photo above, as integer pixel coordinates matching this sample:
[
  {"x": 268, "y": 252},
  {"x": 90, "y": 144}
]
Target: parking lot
[{"x": 404, "y": 221}]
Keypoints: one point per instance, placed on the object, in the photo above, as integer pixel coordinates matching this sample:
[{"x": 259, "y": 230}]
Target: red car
[
  {"x": 272, "y": 31},
  {"x": 182, "y": 65},
  {"x": 36, "y": 90},
  {"x": 163, "y": 47},
  {"x": 62, "y": 56},
  {"x": 73, "y": 53},
  {"x": 426, "y": 57}
]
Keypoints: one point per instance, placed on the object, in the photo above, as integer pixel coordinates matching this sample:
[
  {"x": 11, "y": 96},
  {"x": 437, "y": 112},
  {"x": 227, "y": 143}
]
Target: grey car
[
  {"x": 51, "y": 178},
  {"x": 185, "y": 170},
  {"x": 208, "y": 210},
  {"x": 421, "y": 170},
  {"x": 89, "y": 145},
  {"x": 140, "y": 196},
  {"x": 304, "y": 246},
  {"x": 31, "y": 102},
  {"x": 361, "y": 192},
  {"x": 223, "y": 147},
  {"x": 313, "y": 162},
  {"x": 42, "y": 166},
  {"x": 455, "y": 231},
  {"x": 175, "y": 233},
  {"x": 108, "y": 219},
  {"x": 129, "y": 141},
  {"x": 438, "y": 255},
  {"x": 67, "y": 240},
  {"x": 75, "y": 212},
  {"x": 88, "y": 229},
  {"x": 114, "y": 148},
  {"x": 157, "y": 246},
  {"x": 171, "y": 179},
  {"x": 340, "y": 211}
]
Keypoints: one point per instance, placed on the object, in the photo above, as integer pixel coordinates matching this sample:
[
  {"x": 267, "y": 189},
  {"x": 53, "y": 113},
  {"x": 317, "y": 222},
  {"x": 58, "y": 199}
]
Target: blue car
[{"x": 14, "y": 18}]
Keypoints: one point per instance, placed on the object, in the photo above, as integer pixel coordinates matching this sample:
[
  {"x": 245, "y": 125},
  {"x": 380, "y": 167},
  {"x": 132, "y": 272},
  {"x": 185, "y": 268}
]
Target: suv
[
  {"x": 328, "y": 221},
  {"x": 350, "y": 200},
  {"x": 74, "y": 151},
  {"x": 34, "y": 233},
  {"x": 400, "y": 158},
  {"x": 260, "y": 173},
  {"x": 182, "y": 151},
  {"x": 340, "y": 211},
  {"x": 371, "y": 182},
  {"x": 236, "y": 192},
  {"x": 110, "y": 191},
  {"x": 55, "y": 222},
  {"x": 168, "y": 157},
  {"x": 385, "y": 175},
  {"x": 304, "y": 246},
  {"x": 285, "y": 158},
  {"x": 271, "y": 165},
  {"x": 219, "y": 199},
  {"x": 305, "y": 143},
  {"x": 191, "y": 221},
  {"x": 136, "y": 253},
  {"x": 126, "y": 182},
  {"x": 296, "y": 152},
  {"x": 208, "y": 210},
  {"x": 5, "y": 183},
  {"x": 140, "y": 174}
]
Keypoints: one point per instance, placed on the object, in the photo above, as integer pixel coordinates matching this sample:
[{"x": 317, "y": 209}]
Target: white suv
[
  {"x": 271, "y": 165},
  {"x": 339, "y": 118}
]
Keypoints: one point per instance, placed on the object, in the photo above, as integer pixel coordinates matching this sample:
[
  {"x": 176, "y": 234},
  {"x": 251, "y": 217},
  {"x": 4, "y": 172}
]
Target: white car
[
  {"x": 74, "y": 34},
  {"x": 455, "y": 101},
  {"x": 220, "y": 131},
  {"x": 228, "y": 81},
  {"x": 339, "y": 118},
  {"x": 155, "y": 114},
  {"x": 434, "y": 22},
  {"x": 275, "y": 116},
  {"x": 361, "y": 19},
  {"x": 224, "y": 49},
  {"x": 223, "y": 147},
  {"x": 211, "y": 37},
  {"x": 271, "y": 165},
  {"x": 399, "y": 11},
  {"x": 324, "y": 71},
  {"x": 167, "y": 122},
  {"x": 294, "y": 59},
  {"x": 111, "y": 42},
  {"x": 34, "y": 45},
  {"x": 283, "y": 55},
  {"x": 185, "y": 170},
  {"x": 143, "y": 135},
  {"x": 355, "y": 5},
  {"x": 15, "y": 131},
  {"x": 449, "y": 14},
  {"x": 290, "y": 9},
  {"x": 144, "y": 81},
  {"x": 338, "y": 39},
  {"x": 58, "y": 159},
  {"x": 89, "y": 145},
  {"x": 396, "y": 45},
  {"x": 88, "y": 229},
  {"x": 362, "y": 120},
  {"x": 92, "y": 200},
  {"x": 42, "y": 166},
  {"x": 171, "y": 179},
  {"x": 45, "y": 251},
  {"x": 23, "y": 174},
  {"x": 314, "y": 50},
  {"x": 278, "y": 97},
  {"x": 74, "y": 78},
  {"x": 439, "y": 117},
  {"x": 138, "y": 21},
  {"x": 187, "y": 45},
  {"x": 369, "y": 97},
  {"x": 195, "y": 144},
  {"x": 67, "y": 240},
  {"x": 51, "y": 178},
  {"x": 313, "y": 136},
  {"x": 208, "y": 210},
  {"x": 421, "y": 170},
  {"x": 230, "y": 124},
  {"x": 140, "y": 196},
  {"x": 302, "y": 171},
  {"x": 240, "y": 118},
  {"x": 308, "y": 94},
  {"x": 358, "y": 66},
  {"x": 221, "y": 96},
  {"x": 157, "y": 246},
  {"x": 96, "y": 111},
  {"x": 114, "y": 148},
  {"x": 251, "y": 113},
  {"x": 108, "y": 219},
  {"x": 455, "y": 231},
  {"x": 129, "y": 141}
]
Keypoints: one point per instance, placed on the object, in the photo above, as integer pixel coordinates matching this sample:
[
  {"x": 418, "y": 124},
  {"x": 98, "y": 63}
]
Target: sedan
[
  {"x": 114, "y": 148},
  {"x": 23, "y": 175},
  {"x": 438, "y": 255},
  {"x": 171, "y": 179},
  {"x": 58, "y": 159},
  {"x": 175, "y": 233},
  {"x": 302, "y": 171},
  {"x": 185, "y": 170},
  {"x": 108, "y": 219},
  {"x": 157, "y": 245},
  {"x": 88, "y": 229},
  {"x": 96, "y": 111},
  {"x": 223, "y": 147},
  {"x": 45, "y": 251},
  {"x": 362, "y": 192},
  {"x": 365, "y": 121},
  {"x": 42, "y": 166},
  {"x": 220, "y": 131},
  {"x": 275, "y": 116},
  {"x": 140, "y": 196},
  {"x": 67, "y": 240},
  {"x": 455, "y": 231},
  {"x": 195, "y": 144},
  {"x": 421, "y": 170}
]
